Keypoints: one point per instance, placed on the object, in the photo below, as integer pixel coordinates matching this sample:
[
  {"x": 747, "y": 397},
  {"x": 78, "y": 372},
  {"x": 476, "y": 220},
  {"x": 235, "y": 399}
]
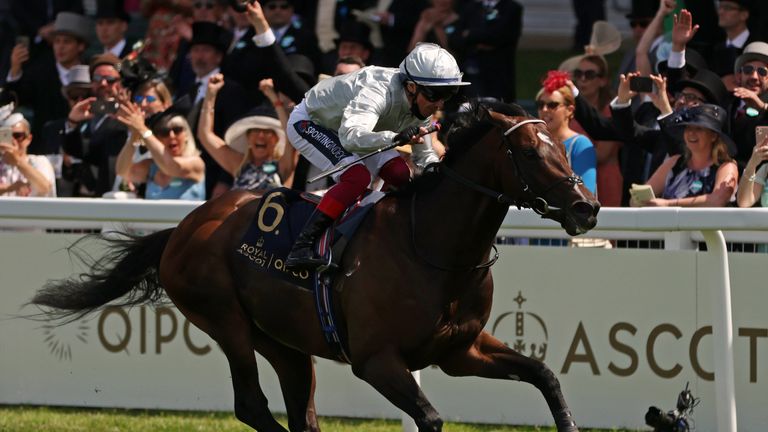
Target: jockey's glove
[{"x": 405, "y": 136}]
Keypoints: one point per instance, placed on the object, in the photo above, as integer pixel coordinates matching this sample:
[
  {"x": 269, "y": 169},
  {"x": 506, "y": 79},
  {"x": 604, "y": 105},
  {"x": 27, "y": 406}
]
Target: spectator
[
  {"x": 36, "y": 18},
  {"x": 22, "y": 174},
  {"x": 111, "y": 25},
  {"x": 591, "y": 78},
  {"x": 587, "y": 13},
  {"x": 161, "y": 40},
  {"x": 175, "y": 170},
  {"x": 291, "y": 34},
  {"x": 38, "y": 84},
  {"x": 750, "y": 107},
  {"x": 252, "y": 148},
  {"x": 392, "y": 23},
  {"x": 485, "y": 41},
  {"x": 704, "y": 175},
  {"x": 732, "y": 17},
  {"x": 555, "y": 103},
  {"x": 435, "y": 24},
  {"x": 752, "y": 184},
  {"x": 639, "y": 17},
  {"x": 354, "y": 41},
  {"x": 92, "y": 133},
  {"x": 348, "y": 64}
]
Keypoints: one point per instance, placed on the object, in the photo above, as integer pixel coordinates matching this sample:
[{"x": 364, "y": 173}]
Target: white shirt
[
  {"x": 739, "y": 41},
  {"x": 10, "y": 174},
  {"x": 202, "y": 89},
  {"x": 117, "y": 49}
]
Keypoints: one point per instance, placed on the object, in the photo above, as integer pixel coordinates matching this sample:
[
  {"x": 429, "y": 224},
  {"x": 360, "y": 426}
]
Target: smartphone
[
  {"x": 6, "y": 136},
  {"x": 641, "y": 84},
  {"x": 104, "y": 106},
  {"x": 23, "y": 40},
  {"x": 761, "y": 133}
]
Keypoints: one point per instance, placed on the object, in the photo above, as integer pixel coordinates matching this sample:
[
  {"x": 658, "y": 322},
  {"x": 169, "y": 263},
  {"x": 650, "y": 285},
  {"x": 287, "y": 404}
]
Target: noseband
[{"x": 539, "y": 204}]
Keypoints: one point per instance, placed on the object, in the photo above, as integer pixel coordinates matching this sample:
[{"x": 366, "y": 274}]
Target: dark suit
[
  {"x": 40, "y": 90},
  {"x": 97, "y": 143},
  {"x": 33, "y": 14},
  {"x": 485, "y": 40},
  {"x": 742, "y": 129},
  {"x": 397, "y": 37},
  {"x": 246, "y": 64},
  {"x": 299, "y": 40},
  {"x": 722, "y": 59}
]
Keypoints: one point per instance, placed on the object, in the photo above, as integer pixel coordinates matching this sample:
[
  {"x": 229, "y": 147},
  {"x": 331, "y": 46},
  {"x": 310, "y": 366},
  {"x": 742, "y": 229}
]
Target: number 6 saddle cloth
[{"x": 279, "y": 220}]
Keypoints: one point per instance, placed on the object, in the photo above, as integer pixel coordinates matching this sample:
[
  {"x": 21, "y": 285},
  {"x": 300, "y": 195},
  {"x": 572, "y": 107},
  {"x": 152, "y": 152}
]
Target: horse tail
[{"x": 130, "y": 267}]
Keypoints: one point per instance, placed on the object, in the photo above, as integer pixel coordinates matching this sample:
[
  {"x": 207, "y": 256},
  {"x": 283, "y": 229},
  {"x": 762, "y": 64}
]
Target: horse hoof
[{"x": 564, "y": 422}]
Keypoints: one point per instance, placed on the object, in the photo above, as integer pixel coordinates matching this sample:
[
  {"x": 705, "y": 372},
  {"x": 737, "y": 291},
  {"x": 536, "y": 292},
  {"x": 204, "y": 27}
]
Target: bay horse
[{"x": 414, "y": 288}]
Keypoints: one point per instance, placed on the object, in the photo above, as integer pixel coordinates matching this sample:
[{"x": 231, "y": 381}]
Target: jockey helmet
[{"x": 429, "y": 65}]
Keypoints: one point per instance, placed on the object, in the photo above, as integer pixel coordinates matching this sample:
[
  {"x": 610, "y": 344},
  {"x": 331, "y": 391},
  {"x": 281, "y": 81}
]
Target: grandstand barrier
[{"x": 623, "y": 328}]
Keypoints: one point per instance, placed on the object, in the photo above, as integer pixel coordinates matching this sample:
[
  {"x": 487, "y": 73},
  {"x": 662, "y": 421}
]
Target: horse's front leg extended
[
  {"x": 490, "y": 358},
  {"x": 386, "y": 372}
]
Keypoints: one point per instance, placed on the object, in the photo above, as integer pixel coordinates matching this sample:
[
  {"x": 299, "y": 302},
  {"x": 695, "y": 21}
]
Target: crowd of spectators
[{"x": 199, "y": 104}]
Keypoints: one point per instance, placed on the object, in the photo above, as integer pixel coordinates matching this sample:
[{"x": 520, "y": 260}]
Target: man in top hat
[
  {"x": 354, "y": 41},
  {"x": 732, "y": 18},
  {"x": 208, "y": 47},
  {"x": 38, "y": 82},
  {"x": 292, "y": 36},
  {"x": 111, "y": 25},
  {"x": 487, "y": 34}
]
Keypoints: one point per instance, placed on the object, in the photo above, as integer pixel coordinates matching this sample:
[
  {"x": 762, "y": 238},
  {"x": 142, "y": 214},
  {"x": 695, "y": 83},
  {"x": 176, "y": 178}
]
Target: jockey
[{"x": 356, "y": 113}]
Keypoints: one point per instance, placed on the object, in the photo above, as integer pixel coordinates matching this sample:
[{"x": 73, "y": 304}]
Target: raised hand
[
  {"x": 751, "y": 98},
  {"x": 624, "y": 94},
  {"x": 215, "y": 83},
  {"x": 81, "y": 111},
  {"x": 659, "y": 95},
  {"x": 683, "y": 30},
  {"x": 132, "y": 116}
]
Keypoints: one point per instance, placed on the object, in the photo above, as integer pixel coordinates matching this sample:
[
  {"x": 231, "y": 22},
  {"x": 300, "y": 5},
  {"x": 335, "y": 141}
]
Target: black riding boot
[{"x": 302, "y": 255}]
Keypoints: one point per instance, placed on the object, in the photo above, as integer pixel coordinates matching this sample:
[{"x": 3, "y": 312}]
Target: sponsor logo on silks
[
  {"x": 302, "y": 126},
  {"x": 530, "y": 332}
]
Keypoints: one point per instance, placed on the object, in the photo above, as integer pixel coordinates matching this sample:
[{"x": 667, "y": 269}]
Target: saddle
[{"x": 281, "y": 215}]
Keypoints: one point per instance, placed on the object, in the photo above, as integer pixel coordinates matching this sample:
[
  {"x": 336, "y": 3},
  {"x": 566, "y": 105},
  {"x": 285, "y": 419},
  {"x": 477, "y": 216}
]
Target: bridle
[{"x": 538, "y": 203}]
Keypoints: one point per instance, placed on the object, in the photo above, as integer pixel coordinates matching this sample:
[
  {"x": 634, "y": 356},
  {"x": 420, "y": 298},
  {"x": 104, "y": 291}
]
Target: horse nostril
[
  {"x": 584, "y": 210},
  {"x": 596, "y": 206}
]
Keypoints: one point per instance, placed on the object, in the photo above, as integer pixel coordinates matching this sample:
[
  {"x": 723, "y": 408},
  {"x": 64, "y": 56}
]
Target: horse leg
[
  {"x": 387, "y": 372},
  {"x": 297, "y": 381},
  {"x": 490, "y": 358}
]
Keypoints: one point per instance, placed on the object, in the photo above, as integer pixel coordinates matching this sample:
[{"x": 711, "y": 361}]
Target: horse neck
[{"x": 462, "y": 221}]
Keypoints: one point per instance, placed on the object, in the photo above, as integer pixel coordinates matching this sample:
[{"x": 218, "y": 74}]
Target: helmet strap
[{"x": 415, "y": 106}]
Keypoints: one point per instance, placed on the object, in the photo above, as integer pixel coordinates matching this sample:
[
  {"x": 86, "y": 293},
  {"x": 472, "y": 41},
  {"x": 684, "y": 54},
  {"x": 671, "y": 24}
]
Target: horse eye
[{"x": 531, "y": 153}]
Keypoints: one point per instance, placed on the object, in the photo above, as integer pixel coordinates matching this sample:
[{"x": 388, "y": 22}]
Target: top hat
[
  {"x": 79, "y": 77},
  {"x": 112, "y": 9},
  {"x": 756, "y": 51},
  {"x": 707, "y": 116},
  {"x": 355, "y": 31},
  {"x": 208, "y": 33},
  {"x": 709, "y": 84},
  {"x": 303, "y": 67},
  {"x": 73, "y": 24},
  {"x": 643, "y": 9}
]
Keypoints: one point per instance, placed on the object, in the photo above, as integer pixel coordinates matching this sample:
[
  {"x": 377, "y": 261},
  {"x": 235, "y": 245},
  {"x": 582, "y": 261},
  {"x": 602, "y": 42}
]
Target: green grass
[{"x": 47, "y": 419}]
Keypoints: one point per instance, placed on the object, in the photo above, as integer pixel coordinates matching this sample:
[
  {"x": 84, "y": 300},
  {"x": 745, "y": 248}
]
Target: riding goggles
[{"x": 438, "y": 93}]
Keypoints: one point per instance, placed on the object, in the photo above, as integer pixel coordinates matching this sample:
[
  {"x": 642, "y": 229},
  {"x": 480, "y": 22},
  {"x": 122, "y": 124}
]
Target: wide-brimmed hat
[
  {"x": 642, "y": 9},
  {"x": 605, "y": 39},
  {"x": 73, "y": 24},
  {"x": 756, "y": 51},
  {"x": 257, "y": 118},
  {"x": 707, "y": 116},
  {"x": 355, "y": 31},
  {"x": 709, "y": 84},
  {"x": 79, "y": 77},
  {"x": 112, "y": 9},
  {"x": 208, "y": 33}
]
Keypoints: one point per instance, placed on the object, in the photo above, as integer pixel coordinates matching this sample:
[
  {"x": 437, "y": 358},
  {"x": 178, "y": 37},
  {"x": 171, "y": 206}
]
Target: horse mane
[{"x": 465, "y": 127}]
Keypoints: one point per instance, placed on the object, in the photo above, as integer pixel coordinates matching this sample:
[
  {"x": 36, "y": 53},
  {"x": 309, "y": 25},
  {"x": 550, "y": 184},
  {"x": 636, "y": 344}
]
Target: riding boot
[{"x": 302, "y": 255}]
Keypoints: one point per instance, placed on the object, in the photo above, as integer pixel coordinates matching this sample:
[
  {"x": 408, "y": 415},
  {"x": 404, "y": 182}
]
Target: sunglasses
[
  {"x": 639, "y": 23},
  {"x": 139, "y": 99},
  {"x": 551, "y": 105},
  {"x": 749, "y": 70},
  {"x": 274, "y": 6},
  {"x": 19, "y": 136},
  {"x": 201, "y": 5},
  {"x": 165, "y": 132},
  {"x": 586, "y": 74},
  {"x": 109, "y": 79},
  {"x": 689, "y": 97},
  {"x": 438, "y": 93}
]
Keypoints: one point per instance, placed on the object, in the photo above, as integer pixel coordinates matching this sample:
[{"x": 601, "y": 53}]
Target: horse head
[
  {"x": 538, "y": 173},
  {"x": 530, "y": 167}
]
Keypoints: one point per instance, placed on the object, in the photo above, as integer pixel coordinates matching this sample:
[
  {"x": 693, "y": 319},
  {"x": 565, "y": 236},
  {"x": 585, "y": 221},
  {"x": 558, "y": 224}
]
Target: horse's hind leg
[
  {"x": 387, "y": 372},
  {"x": 490, "y": 358},
  {"x": 297, "y": 381}
]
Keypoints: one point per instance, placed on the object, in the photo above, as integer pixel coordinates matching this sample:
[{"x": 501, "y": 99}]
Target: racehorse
[{"x": 414, "y": 287}]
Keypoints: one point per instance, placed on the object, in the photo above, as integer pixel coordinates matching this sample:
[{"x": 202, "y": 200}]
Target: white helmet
[{"x": 430, "y": 65}]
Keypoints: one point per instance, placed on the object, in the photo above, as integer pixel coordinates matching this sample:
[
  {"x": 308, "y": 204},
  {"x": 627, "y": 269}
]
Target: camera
[
  {"x": 676, "y": 420},
  {"x": 104, "y": 106}
]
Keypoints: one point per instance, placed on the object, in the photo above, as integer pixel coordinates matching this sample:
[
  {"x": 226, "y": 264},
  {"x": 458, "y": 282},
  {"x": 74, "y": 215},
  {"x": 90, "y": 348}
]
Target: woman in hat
[
  {"x": 705, "y": 175},
  {"x": 555, "y": 103},
  {"x": 252, "y": 148},
  {"x": 175, "y": 169}
]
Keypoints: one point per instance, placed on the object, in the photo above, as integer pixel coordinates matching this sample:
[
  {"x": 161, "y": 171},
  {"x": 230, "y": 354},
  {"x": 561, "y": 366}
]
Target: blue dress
[
  {"x": 177, "y": 188},
  {"x": 583, "y": 159}
]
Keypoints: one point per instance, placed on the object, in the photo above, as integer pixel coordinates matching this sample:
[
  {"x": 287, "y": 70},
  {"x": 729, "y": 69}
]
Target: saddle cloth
[{"x": 279, "y": 220}]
